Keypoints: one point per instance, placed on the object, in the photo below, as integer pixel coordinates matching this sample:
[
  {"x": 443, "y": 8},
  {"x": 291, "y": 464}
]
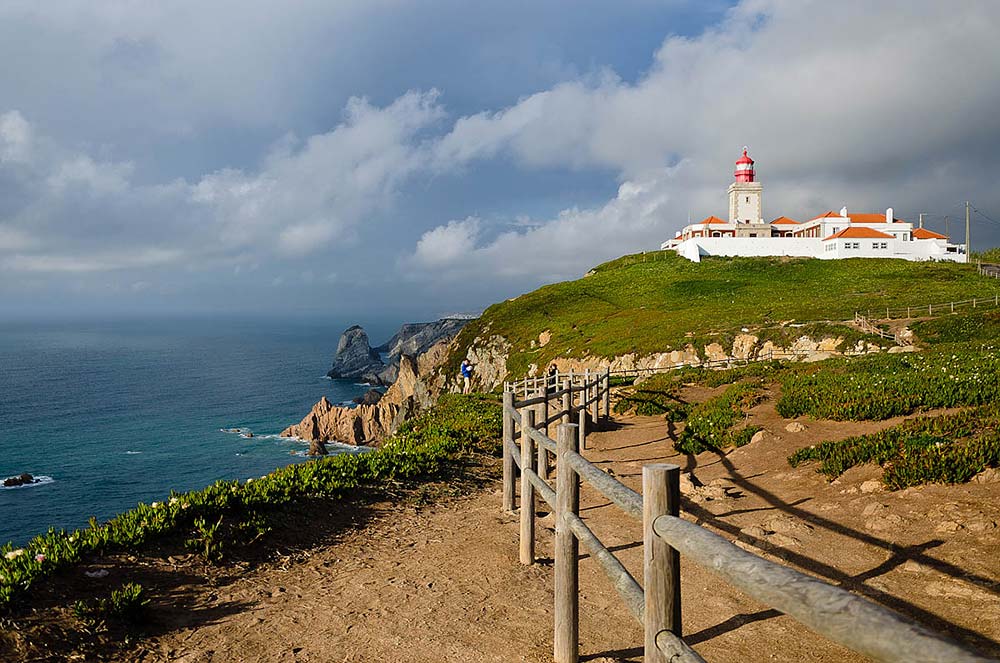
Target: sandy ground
[{"x": 442, "y": 582}]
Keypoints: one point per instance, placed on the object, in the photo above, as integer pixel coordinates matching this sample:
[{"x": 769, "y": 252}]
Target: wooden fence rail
[{"x": 842, "y": 617}]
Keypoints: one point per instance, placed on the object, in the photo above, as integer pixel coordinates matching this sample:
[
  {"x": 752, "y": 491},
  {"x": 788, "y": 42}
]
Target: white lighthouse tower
[{"x": 745, "y": 204}]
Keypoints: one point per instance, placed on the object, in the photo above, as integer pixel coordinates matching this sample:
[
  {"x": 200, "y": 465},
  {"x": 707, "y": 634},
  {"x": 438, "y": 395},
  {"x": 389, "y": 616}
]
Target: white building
[{"x": 829, "y": 236}]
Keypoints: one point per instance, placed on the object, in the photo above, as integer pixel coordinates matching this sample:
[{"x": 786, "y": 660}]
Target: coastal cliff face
[
  {"x": 489, "y": 355},
  {"x": 369, "y": 424},
  {"x": 416, "y": 338},
  {"x": 355, "y": 358}
]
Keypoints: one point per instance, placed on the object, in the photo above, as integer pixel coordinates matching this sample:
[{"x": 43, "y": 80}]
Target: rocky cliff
[
  {"x": 489, "y": 354},
  {"x": 369, "y": 424},
  {"x": 416, "y": 338},
  {"x": 355, "y": 358}
]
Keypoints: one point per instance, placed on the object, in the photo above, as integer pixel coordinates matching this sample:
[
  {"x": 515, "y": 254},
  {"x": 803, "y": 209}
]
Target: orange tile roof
[
  {"x": 712, "y": 219},
  {"x": 923, "y": 233},
  {"x": 784, "y": 220},
  {"x": 830, "y": 214},
  {"x": 859, "y": 233},
  {"x": 870, "y": 218}
]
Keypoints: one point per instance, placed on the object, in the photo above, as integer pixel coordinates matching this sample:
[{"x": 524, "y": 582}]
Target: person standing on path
[{"x": 466, "y": 373}]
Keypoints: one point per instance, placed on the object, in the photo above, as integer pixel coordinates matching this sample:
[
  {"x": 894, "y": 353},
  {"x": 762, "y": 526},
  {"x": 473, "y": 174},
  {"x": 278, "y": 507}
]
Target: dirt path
[{"x": 442, "y": 583}]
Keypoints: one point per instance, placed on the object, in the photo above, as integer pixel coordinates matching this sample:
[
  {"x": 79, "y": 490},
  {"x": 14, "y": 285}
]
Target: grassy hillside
[{"x": 659, "y": 301}]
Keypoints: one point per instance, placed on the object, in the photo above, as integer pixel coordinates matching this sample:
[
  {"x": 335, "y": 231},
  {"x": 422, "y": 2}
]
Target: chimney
[
  {"x": 888, "y": 215},
  {"x": 843, "y": 211}
]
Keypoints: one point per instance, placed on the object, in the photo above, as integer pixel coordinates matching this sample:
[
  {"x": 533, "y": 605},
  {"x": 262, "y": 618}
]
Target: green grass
[
  {"x": 650, "y": 303},
  {"x": 948, "y": 449},
  {"x": 421, "y": 448}
]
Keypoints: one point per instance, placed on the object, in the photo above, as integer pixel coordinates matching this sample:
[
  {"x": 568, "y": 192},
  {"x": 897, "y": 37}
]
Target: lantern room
[{"x": 744, "y": 168}]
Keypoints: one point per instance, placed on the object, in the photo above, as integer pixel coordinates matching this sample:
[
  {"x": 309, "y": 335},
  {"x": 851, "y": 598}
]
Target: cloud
[
  {"x": 548, "y": 249},
  {"x": 306, "y": 195},
  {"x": 15, "y": 137},
  {"x": 73, "y": 264},
  {"x": 201, "y": 140},
  {"x": 837, "y": 101},
  {"x": 447, "y": 245}
]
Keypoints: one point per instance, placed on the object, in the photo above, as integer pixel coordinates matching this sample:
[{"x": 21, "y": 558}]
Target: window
[
  {"x": 883, "y": 245},
  {"x": 748, "y": 198}
]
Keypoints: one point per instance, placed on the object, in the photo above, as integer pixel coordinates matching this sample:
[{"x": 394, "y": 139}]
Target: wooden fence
[
  {"x": 988, "y": 269},
  {"x": 866, "y": 326},
  {"x": 845, "y": 618}
]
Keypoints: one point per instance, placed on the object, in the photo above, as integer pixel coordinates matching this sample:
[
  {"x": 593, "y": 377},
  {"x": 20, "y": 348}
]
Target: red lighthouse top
[{"x": 744, "y": 168}]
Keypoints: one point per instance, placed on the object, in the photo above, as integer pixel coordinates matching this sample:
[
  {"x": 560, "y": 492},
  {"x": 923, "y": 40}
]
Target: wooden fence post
[
  {"x": 567, "y": 608},
  {"x": 582, "y": 419},
  {"x": 542, "y": 467},
  {"x": 661, "y": 563},
  {"x": 527, "y": 490},
  {"x": 508, "y": 451},
  {"x": 567, "y": 400},
  {"x": 607, "y": 394}
]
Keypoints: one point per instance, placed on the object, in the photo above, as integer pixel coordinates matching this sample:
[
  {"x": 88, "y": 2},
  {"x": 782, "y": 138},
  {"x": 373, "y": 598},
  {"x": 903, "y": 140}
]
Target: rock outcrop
[
  {"x": 20, "y": 480},
  {"x": 367, "y": 424},
  {"x": 416, "y": 338},
  {"x": 355, "y": 358},
  {"x": 489, "y": 354}
]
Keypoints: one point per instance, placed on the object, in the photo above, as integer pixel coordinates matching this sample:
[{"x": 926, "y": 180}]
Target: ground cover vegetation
[
  {"x": 881, "y": 386},
  {"x": 951, "y": 448},
  {"x": 227, "y": 511},
  {"x": 958, "y": 368},
  {"x": 714, "y": 424},
  {"x": 659, "y": 301}
]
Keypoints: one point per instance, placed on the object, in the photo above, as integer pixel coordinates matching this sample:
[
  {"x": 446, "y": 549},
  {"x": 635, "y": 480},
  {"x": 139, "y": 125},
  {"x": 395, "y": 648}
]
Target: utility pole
[
  {"x": 946, "y": 227},
  {"x": 921, "y": 219},
  {"x": 968, "y": 250}
]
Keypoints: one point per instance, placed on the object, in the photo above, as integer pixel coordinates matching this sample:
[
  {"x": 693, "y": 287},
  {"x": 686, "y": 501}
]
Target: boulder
[
  {"x": 370, "y": 397},
  {"x": 20, "y": 480},
  {"x": 317, "y": 448},
  {"x": 795, "y": 427}
]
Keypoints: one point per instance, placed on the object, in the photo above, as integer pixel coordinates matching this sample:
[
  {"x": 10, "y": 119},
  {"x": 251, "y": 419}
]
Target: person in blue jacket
[{"x": 466, "y": 373}]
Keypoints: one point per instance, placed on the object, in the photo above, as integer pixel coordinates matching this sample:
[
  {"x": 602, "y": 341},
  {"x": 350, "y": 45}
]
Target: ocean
[{"x": 115, "y": 413}]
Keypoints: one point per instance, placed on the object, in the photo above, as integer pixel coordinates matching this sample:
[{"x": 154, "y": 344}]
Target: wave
[
  {"x": 132, "y": 453},
  {"x": 40, "y": 480}
]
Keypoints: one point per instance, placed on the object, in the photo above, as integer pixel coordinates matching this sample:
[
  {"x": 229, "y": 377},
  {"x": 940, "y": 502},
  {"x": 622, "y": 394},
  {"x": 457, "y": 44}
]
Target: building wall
[
  {"x": 745, "y": 202},
  {"x": 750, "y": 247},
  {"x": 814, "y": 247}
]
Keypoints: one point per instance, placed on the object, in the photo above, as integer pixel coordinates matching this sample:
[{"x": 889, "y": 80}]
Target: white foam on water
[
  {"x": 132, "y": 453},
  {"x": 40, "y": 480}
]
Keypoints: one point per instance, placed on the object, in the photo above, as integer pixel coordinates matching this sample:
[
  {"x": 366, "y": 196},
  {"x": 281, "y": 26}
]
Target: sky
[{"x": 402, "y": 160}]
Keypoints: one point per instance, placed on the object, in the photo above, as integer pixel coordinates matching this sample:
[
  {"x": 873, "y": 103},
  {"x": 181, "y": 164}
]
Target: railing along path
[{"x": 576, "y": 401}]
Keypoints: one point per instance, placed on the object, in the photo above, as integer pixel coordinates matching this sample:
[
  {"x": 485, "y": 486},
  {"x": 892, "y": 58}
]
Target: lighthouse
[{"x": 745, "y": 204}]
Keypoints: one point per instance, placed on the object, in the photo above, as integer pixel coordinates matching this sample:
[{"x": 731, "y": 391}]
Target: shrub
[
  {"x": 712, "y": 424},
  {"x": 126, "y": 604},
  {"x": 948, "y": 449},
  {"x": 656, "y": 394}
]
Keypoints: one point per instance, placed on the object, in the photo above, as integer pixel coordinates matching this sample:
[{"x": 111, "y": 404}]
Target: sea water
[{"x": 114, "y": 413}]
